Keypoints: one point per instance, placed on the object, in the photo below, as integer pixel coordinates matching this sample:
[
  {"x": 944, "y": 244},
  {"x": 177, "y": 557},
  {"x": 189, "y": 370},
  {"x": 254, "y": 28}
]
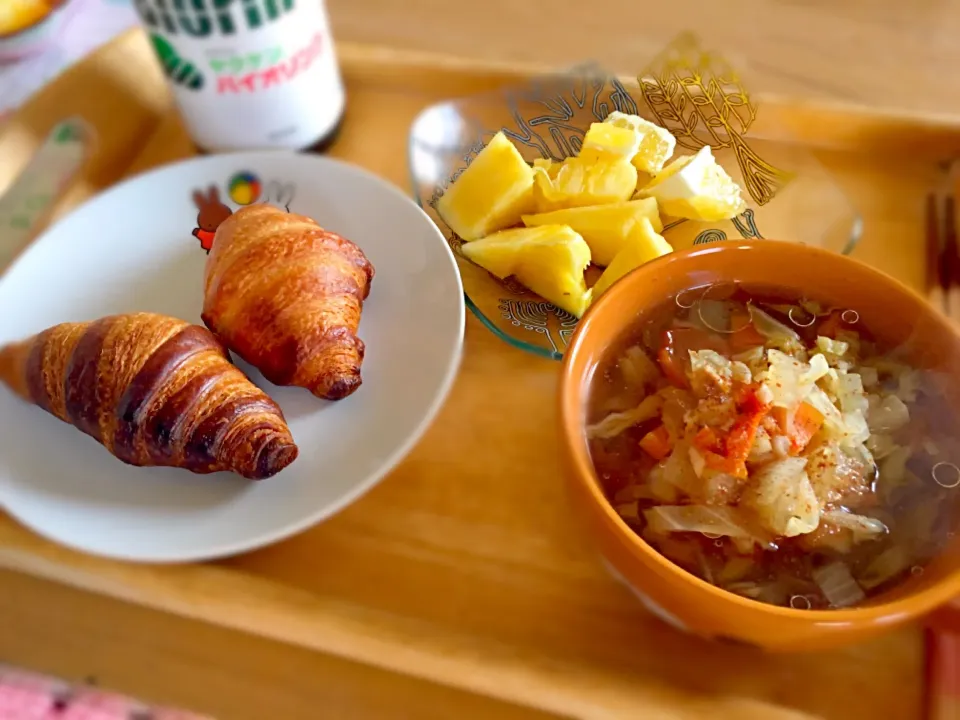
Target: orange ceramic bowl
[{"x": 892, "y": 312}]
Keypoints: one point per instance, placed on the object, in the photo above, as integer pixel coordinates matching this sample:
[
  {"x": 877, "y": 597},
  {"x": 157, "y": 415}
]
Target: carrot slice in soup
[
  {"x": 799, "y": 428},
  {"x": 722, "y": 463},
  {"x": 713, "y": 450},
  {"x": 740, "y": 439},
  {"x": 707, "y": 440},
  {"x": 656, "y": 443},
  {"x": 742, "y": 434},
  {"x": 729, "y": 453}
]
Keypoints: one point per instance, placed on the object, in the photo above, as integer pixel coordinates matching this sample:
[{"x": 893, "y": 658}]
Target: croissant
[
  {"x": 153, "y": 390},
  {"x": 286, "y": 296}
]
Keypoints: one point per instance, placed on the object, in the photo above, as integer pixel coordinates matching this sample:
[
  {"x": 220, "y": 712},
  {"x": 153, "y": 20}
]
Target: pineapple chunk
[
  {"x": 491, "y": 194},
  {"x": 612, "y": 140},
  {"x": 549, "y": 260},
  {"x": 655, "y": 144},
  {"x": 581, "y": 181},
  {"x": 643, "y": 244},
  {"x": 547, "y": 164},
  {"x": 697, "y": 188},
  {"x": 604, "y": 227}
]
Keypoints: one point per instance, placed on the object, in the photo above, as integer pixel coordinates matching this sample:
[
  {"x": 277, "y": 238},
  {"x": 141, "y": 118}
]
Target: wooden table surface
[
  {"x": 879, "y": 53},
  {"x": 884, "y": 53}
]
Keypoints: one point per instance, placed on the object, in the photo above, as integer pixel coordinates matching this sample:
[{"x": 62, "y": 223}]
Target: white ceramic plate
[{"x": 131, "y": 249}]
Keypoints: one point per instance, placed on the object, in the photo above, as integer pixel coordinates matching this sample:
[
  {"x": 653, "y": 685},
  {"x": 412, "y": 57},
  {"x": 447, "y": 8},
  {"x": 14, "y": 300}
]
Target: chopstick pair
[
  {"x": 943, "y": 253},
  {"x": 942, "y": 639}
]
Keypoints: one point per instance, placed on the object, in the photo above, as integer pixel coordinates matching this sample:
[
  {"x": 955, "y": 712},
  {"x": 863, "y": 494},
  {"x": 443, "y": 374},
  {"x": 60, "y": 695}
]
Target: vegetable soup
[{"x": 771, "y": 446}]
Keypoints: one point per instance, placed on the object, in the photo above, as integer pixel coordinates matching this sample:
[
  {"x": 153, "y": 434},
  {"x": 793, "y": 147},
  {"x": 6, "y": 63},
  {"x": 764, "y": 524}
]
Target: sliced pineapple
[
  {"x": 547, "y": 164},
  {"x": 655, "y": 144},
  {"x": 491, "y": 194},
  {"x": 643, "y": 244},
  {"x": 549, "y": 260},
  {"x": 697, "y": 188},
  {"x": 606, "y": 228},
  {"x": 583, "y": 181},
  {"x": 611, "y": 140}
]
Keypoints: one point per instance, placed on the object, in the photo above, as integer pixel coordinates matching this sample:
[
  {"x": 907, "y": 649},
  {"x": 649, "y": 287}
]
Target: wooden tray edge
[
  {"x": 828, "y": 124},
  {"x": 265, "y": 608},
  {"x": 252, "y": 604}
]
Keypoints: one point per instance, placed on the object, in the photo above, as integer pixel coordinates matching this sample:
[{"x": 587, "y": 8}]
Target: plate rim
[{"x": 401, "y": 451}]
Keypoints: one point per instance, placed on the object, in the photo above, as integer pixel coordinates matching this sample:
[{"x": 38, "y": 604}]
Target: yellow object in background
[
  {"x": 550, "y": 260},
  {"x": 491, "y": 194},
  {"x": 642, "y": 245},
  {"x": 582, "y": 181},
  {"x": 16, "y": 15},
  {"x": 697, "y": 188},
  {"x": 605, "y": 228}
]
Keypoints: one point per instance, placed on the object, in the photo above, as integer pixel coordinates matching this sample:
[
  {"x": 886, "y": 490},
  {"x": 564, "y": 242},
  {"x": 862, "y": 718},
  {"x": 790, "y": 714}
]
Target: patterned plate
[{"x": 693, "y": 93}]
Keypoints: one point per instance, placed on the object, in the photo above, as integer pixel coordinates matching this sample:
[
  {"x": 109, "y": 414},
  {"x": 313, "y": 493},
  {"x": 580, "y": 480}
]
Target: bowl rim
[{"x": 571, "y": 400}]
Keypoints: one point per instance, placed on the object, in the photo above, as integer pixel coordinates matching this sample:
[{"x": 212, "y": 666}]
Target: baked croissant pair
[{"x": 279, "y": 290}]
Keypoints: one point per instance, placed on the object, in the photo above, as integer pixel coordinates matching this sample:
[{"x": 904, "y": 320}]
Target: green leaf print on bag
[{"x": 176, "y": 68}]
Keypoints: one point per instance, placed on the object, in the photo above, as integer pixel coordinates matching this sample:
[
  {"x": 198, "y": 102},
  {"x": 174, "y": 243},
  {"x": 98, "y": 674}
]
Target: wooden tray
[{"x": 466, "y": 566}]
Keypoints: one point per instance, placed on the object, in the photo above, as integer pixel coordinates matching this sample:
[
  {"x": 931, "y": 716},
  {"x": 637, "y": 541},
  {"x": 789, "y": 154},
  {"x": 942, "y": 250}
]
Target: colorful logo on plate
[{"x": 244, "y": 188}]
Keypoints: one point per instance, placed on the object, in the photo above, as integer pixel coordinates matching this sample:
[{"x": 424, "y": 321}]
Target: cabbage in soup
[{"x": 767, "y": 444}]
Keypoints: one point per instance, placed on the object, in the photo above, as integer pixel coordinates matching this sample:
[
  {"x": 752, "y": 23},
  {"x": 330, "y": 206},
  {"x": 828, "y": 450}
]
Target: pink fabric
[{"x": 27, "y": 696}]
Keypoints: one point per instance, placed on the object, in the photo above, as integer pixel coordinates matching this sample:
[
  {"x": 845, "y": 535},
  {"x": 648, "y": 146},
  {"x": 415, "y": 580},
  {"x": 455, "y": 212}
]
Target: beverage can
[{"x": 249, "y": 74}]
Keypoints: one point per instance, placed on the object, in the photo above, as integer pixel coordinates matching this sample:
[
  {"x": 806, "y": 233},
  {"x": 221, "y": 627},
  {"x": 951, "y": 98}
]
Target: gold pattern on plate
[{"x": 699, "y": 97}]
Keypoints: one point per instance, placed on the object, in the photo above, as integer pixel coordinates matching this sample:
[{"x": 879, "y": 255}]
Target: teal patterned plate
[{"x": 694, "y": 94}]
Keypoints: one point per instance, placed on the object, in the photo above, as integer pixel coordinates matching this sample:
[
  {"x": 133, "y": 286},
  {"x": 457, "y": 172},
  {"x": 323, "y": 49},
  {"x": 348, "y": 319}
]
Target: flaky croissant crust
[
  {"x": 286, "y": 296},
  {"x": 153, "y": 390}
]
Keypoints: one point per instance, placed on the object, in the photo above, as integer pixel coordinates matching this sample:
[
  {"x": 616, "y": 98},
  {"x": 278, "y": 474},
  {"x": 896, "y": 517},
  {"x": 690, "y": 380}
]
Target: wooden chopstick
[
  {"x": 936, "y": 280},
  {"x": 943, "y": 631},
  {"x": 951, "y": 259},
  {"x": 942, "y": 699}
]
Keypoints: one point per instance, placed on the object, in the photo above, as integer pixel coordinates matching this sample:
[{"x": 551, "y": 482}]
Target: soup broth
[{"x": 771, "y": 446}]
